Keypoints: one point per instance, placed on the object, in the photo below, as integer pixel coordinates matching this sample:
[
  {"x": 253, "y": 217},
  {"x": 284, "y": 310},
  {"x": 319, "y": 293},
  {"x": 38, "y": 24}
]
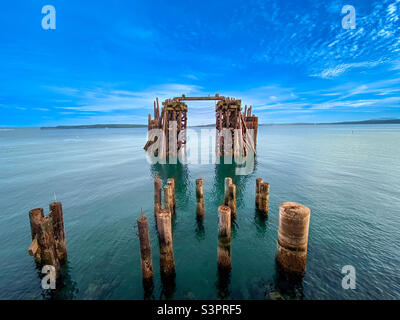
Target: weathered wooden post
[
  {"x": 228, "y": 182},
  {"x": 258, "y": 183},
  {"x": 199, "y": 198},
  {"x": 157, "y": 194},
  {"x": 57, "y": 217},
  {"x": 171, "y": 182},
  {"x": 36, "y": 218},
  {"x": 264, "y": 197},
  {"x": 230, "y": 195},
  {"x": 167, "y": 262},
  {"x": 291, "y": 252},
  {"x": 232, "y": 199},
  {"x": 224, "y": 237},
  {"x": 145, "y": 248},
  {"x": 47, "y": 245},
  {"x": 168, "y": 199}
]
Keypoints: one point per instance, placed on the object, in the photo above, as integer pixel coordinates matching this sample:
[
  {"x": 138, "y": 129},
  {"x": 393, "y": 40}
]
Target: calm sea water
[{"x": 348, "y": 175}]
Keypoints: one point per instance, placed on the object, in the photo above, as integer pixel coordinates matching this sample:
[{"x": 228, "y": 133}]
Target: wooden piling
[
  {"x": 228, "y": 182},
  {"x": 264, "y": 198},
  {"x": 224, "y": 237},
  {"x": 145, "y": 248},
  {"x": 34, "y": 249},
  {"x": 157, "y": 194},
  {"x": 291, "y": 252},
  {"x": 36, "y": 217},
  {"x": 228, "y": 116},
  {"x": 199, "y": 198},
  {"x": 168, "y": 198},
  {"x": 47, "y": 245},
  {"x": 167, "y": 262},
  {"x": 57, "y": 218},
  {"x": 232, "y": 198},
  {"x": 171, "y": 182},
  {"x": 258, "y": 183}
]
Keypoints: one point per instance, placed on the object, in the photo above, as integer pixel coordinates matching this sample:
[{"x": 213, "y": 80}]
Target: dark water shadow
[
  {"x": 223, "y": 283},
  {"x": 199, "y": 230},
  {"x": 168, "y": 289},
  {"x": 66, "y": 288},
  {"x": 260, "y": 221},
  {"x": 148, "y": 289},
  {"x": 289, "y": 286}
]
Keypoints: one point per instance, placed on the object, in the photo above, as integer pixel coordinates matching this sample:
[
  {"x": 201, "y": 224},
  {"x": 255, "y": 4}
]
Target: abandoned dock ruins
[
  {"x": 291, "y": 247},
  {"x": 236, "y": 134},
  {"x": 236, "y": 131}
]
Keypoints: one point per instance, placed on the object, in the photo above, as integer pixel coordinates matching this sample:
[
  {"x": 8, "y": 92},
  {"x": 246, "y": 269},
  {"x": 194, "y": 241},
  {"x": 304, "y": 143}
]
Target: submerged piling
[
  {"x": 224, "y": 238},
  {"x": 167, "y": 262},
  {"x": 199, "y": 198},
  {"x": 157, "y": 194},
  {"x": 145, "y": 248},
  {"x": 291, "y": 252}
]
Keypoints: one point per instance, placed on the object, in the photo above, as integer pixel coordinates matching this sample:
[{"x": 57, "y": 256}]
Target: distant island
[{"x": 113, "y": 126}]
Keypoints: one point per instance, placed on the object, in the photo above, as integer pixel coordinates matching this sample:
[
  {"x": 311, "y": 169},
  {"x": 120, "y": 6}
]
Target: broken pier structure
[{"x": 236, "y": 131}]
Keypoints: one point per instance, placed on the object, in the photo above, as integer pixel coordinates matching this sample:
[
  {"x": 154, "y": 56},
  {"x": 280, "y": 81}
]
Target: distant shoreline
[
  {"x": 391, "y": 121},
  {"x": 97, "y": 126},
  {"x": 127, "y": 126}
]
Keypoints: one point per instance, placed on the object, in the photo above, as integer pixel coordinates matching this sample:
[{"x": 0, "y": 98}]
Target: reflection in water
[
  {"x": 223, "y": 171},
  {"x": 168, "y": 287},
  {"x": 260, "y": 220},
  {"x": 290, "y": 286},
  {"x": 148, "y": 288},
  {"x": 182, "y": 182},
  {"x": 223, "y": 282},
  {"x": 180, "y": 173},
  {"x": 65, "y": 287},
  {"x": 200, "y": 232}
]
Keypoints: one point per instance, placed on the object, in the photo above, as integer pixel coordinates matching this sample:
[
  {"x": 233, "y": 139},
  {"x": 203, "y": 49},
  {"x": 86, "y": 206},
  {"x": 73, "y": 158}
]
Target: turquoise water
[{"x": 348, "y": 175}]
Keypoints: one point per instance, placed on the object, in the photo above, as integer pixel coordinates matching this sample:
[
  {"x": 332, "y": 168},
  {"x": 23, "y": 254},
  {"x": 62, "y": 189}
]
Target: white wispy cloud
[
  {"x": 342, "y": 68},
  {"x": 106, "y": 100}
]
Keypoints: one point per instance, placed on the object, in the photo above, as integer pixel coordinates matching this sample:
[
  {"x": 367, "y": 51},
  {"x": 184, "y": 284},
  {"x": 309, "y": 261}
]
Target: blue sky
[{"x": 107, "y": 61}]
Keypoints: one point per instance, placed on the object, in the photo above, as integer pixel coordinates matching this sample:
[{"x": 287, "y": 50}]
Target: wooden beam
[
  {"x": 199, "y": 98},
  {"x": 33, "y": 248}
]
